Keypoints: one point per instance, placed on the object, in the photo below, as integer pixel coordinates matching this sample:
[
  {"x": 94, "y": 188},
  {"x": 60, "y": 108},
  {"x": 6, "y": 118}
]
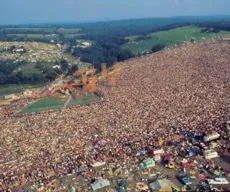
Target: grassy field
[
  {"x": 83, "y": 101},
  {"x": 54, "y": 103},
  {"x": 167, "y": 38},
  {"x": 44, "y": 104},
  {"x": 9, "y": 89}
]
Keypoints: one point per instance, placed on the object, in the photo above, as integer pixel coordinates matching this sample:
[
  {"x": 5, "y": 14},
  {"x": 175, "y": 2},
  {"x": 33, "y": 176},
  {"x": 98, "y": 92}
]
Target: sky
[{"x": 52, "y": 11}]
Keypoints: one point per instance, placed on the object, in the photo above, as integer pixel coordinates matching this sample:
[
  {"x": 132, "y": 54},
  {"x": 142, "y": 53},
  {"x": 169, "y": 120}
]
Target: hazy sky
[{"x": 40, "y": 11}]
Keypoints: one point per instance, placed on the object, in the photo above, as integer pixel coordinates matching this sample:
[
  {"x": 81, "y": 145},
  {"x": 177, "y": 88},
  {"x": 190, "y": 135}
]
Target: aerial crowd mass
[{"x": 157, "y": 99}]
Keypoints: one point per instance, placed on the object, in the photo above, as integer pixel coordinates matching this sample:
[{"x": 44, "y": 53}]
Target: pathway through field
[{"x": 68, "y": 101}]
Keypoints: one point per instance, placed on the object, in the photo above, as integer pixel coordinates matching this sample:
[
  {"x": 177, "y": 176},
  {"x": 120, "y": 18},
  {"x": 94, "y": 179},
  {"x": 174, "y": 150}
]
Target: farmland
[{"x": 167, "y": 38}]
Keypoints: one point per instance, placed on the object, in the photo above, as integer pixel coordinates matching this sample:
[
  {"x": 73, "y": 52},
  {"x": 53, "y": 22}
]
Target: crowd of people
[{"x": 156, "y": 97}]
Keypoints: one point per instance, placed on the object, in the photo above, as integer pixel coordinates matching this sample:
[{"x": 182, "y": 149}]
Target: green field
[
  {"x": 83, "y": 101},
  {"x": 167, "y": 38},
  {"x": 44, "y": 104},
  {"x": 54, "y": 103},
  {"x": 9, "y": 89}
]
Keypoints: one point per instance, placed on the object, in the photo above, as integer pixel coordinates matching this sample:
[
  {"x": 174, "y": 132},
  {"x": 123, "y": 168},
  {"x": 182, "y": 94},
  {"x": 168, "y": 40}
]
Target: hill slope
[
  {"x": 186, "y": 88},
  {"x": 169, "y": 37}
]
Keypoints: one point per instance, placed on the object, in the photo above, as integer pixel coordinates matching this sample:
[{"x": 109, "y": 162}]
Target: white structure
[
  {"x": 27, "y": 93},
  {"x": 86, "y": 44},
  {"x": 209, "y": 154},
  {"x": 17, "y": 50},
  {"x": 158, "y": 152},
  {"x": 218, "y": 181},
  {"x": 226, "y": 39},
  {"x": 56, "y": 67},
  {"x": 98, "y": 164},
  {"x": 11, "y": 96},
  {"x": 211, "y": 137}
]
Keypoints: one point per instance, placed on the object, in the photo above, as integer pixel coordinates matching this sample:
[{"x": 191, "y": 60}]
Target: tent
[
  {"x": 149, "y": 162},
  {"x": 163, "y": 185},
  {"x": 99, "y": 184}
]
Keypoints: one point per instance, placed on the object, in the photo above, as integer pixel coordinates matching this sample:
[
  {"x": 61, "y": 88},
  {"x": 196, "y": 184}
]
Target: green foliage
[
  {"x": 64, "y": 65},
  {"x": 157, "y": 47}
]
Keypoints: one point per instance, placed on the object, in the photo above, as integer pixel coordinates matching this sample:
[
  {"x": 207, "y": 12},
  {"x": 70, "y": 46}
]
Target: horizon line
[{"x": 107, "y": 20}]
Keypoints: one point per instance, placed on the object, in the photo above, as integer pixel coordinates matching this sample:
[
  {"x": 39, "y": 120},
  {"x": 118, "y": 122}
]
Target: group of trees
[
  {"x": 157, "y": 47},
  {"x": 9, "y": 73},
  {"x": 143, "y": 37},
  {"x": 209, "y": 30},
  {"x": 103, "y": 52},
  {"x": 215, "y": 25}
]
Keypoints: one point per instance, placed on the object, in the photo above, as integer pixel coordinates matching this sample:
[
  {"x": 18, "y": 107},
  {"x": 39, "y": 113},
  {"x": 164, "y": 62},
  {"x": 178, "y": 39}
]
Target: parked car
[{"x": 185, "y": 179}]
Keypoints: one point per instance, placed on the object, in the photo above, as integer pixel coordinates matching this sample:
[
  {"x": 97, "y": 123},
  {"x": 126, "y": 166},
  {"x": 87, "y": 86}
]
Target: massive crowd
[{"x": 156, "y": 97}]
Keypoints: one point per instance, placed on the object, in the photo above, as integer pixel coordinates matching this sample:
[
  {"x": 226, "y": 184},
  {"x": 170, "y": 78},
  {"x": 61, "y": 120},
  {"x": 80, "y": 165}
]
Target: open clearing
[
  {"x": 44, "y": 104},
  {"x": 169, "y": 37},
  {"x": 56, "y": 103}
]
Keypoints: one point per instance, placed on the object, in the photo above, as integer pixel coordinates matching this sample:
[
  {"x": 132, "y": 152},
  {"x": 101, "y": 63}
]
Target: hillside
[
  {"x": 183, "y": 89},
  {"x": 169, "y": 37}
]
